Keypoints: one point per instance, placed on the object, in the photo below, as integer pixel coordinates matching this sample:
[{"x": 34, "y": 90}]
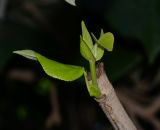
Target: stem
[
  {"x": 93, "y": 73},
  {"x": 94, "y": 89}
]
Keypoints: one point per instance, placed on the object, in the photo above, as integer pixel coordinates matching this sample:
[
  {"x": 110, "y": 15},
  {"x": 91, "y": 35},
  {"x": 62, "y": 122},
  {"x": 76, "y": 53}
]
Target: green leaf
[
  {"x": 93, "y": 91},
  {"x": 53, "y": 68},
  {"x": 106, "y": 40},
  {"x": 85, "y": 50},
  {"x": 72, "y": 2},
  {"x": 86, "y": 36},
  {"x": 98, "y": 51}
]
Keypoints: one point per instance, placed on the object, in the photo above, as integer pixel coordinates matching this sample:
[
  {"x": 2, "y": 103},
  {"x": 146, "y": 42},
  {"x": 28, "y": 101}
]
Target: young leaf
[
  {"x": 72, "y": 2},
  {"x": 106, "y": 40},
  {"x": 86, "y": 36},
  {"x": 98, "y": 50},
  {"x": 53, "y": 68},
  {"x": 85, "y": 50}
]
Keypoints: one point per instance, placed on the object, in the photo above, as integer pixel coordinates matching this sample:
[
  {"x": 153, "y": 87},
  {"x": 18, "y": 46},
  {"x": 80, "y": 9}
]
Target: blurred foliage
[
  {"x": 138, "y": 19},
  {"x": 22, "y": 112},
  {"x": 121, "y": 61},
  {"x": 14, "y": 36},
  {"x": 44, "y": 86}
]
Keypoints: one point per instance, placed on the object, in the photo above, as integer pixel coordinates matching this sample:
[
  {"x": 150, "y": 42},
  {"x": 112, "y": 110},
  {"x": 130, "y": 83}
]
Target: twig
[
  {"x": 54, "y": 118},
  {"x": 3, "y": 5},
  {"x": 145, "y": 112}
]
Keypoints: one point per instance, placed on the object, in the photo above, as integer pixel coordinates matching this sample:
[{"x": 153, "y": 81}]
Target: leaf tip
[
  {"x": 26, "y": 53},
  {"x": 83, "y": 25},
  {"x": 71, "y": 2}
]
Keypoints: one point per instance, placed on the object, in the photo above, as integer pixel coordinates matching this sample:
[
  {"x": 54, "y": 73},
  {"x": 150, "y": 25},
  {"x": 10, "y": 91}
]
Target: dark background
[{"x": 30, "y": 100}]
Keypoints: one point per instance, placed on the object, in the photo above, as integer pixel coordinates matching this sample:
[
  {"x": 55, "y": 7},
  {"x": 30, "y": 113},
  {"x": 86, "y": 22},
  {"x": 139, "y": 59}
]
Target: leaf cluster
[
  {"x": 91, "y": 52},
  {"x": 94, "y": 52}
]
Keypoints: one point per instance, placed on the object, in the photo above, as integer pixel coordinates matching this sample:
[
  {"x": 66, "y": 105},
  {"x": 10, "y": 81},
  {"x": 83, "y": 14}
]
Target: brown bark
[{"x": 110, "y": 103}]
